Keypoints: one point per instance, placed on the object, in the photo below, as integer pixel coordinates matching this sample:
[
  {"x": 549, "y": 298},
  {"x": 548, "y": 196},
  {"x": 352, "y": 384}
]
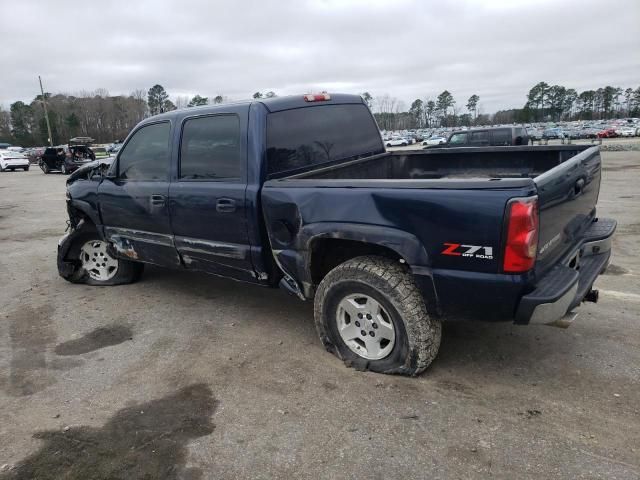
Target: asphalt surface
[{"x": 188, "y": 376}]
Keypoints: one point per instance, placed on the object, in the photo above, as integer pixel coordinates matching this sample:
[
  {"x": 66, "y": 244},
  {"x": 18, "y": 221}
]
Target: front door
[
  {"x": 134, "y": 201},
  {"x": 207, "y": 196}
]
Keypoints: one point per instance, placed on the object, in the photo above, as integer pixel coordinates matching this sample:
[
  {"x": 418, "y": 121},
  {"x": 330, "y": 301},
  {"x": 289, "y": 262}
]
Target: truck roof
[{"x": 275, "y": 104}]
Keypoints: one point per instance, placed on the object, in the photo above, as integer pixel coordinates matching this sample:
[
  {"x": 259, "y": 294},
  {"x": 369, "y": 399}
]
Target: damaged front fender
[{"x": 67, "y": 268}]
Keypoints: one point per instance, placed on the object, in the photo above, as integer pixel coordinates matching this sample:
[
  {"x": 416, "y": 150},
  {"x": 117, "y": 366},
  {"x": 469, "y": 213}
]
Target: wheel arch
[
  {"x": 80, "y": 210},
  {"x": 327, "y": 243}
]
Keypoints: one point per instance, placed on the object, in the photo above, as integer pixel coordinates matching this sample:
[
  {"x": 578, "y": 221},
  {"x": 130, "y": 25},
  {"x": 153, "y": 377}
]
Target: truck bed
[
  {"x": 435, "y": 197},
  {"x": 451, "y": 164}
]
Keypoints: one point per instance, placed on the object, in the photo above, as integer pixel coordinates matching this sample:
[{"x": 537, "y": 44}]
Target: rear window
[{"x": 310, "y": 136}]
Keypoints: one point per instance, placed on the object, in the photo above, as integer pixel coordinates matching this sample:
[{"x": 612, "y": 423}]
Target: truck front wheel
[
  {"x": 370, "y": 314},
  {"x": 83, "y": 257}
]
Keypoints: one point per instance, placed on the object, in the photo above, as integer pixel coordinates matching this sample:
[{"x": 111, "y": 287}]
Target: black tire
[
  {"x": 127, "y": 271},
  {"x": 26, "y": 169},
  {"x": 63, "y": 169},
  {"x": 45, "y": 168},
  {"x": 388, "y": 144},
  {"x": 392, "y": 286}
]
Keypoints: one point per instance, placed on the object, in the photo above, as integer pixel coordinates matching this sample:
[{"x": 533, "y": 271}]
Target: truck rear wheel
[
  {"x": 94, "y": 264},
  {"x": 370, "y": 314}
]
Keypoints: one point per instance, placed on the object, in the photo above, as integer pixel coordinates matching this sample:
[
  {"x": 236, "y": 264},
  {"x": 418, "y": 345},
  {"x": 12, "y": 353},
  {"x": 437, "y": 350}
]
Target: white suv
[{"x": 11, "y": 160}]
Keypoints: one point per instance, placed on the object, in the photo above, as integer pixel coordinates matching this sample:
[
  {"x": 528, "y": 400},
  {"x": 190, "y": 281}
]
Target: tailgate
[{"x": 567, "y": 196}]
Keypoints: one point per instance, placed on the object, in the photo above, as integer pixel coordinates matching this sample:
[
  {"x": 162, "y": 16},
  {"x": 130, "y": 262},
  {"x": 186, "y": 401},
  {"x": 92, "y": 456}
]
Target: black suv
[
  {"x": 489, "y": 137},
  {"x": 67, "y": 158}
]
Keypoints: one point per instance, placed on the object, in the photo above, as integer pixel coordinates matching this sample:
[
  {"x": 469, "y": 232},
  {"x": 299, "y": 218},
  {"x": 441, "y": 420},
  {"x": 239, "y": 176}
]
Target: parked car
[
  {"x": 435, "y": 140},
  {"x": 590, "y": 132},
  {"x": 482, "y": 137},
  {"x": 396, "y": 142},
  {"x": 383, "y": 243},
  {"x": 625, "y": 132},
  {"x": 553, "y": 133},
  {"x": 34, "y": 154},
  {"x": 11, "y": 160},
  {"x": 607, "y": 133},
  {"x": 67, "y": 158},
  {"x": 535, "y": 134}
]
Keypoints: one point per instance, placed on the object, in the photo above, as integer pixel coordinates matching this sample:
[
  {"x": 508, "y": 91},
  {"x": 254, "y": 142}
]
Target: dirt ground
[{"x": 188, "y": 376}]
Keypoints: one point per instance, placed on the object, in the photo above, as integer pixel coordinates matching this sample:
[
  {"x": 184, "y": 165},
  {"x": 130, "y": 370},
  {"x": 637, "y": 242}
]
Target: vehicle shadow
[{"x": 482, "y": 346}]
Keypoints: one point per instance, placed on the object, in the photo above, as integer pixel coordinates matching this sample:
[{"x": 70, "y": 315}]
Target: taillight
[
  {"x": 522, "y": 235},
  {"x": 319, "y": 97}
]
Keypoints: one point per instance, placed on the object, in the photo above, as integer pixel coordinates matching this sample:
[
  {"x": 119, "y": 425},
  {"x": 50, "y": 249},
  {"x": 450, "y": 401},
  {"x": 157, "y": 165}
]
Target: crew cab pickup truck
[{"x": 299, "y": 192}]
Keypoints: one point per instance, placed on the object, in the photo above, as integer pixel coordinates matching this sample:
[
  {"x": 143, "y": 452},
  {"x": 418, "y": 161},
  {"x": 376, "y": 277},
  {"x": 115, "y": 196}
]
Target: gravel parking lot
[{"x": 188, "y": 376}]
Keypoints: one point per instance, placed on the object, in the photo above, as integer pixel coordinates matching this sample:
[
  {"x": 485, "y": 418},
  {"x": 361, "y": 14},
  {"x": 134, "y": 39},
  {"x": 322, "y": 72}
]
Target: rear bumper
[{"x": 567, "y": 284}]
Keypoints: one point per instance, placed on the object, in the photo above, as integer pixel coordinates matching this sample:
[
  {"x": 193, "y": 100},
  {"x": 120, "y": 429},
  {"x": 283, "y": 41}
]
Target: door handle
[
  {"x": 225, "y": 205},
  {"x": 158, "y": 200}
]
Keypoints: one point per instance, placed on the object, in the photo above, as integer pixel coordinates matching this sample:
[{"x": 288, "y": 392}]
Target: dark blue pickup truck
[{"x": 299, "y": 192}]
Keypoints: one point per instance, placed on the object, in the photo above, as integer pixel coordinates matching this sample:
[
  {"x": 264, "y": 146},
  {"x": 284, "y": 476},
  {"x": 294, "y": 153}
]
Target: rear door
[
  {"x": 134, "y": 201},
  {"x": 50, "y": 157},
  {"x": 207, "y": 195}
]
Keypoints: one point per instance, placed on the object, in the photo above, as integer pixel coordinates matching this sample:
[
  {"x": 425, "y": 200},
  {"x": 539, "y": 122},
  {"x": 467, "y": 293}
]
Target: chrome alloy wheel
[
  {"x": 97, "y": 262},
  {"x": 365, "y": 326}
]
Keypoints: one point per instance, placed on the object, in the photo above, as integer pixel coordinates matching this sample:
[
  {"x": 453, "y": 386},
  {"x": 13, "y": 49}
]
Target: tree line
[
  {"x": 106, "y": 118},
  {"x": 96, "y": 114},
  {"x": 544, "y": 103},
  {"x": 391, "y": 113}
]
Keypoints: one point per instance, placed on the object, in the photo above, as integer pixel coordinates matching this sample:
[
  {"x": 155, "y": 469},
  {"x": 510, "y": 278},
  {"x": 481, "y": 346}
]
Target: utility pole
[{"x": 46, "y": 115}]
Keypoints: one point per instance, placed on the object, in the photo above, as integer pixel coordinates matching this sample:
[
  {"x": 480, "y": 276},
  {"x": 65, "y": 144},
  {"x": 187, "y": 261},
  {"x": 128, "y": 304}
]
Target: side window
[
  {"x": 479, "y": 138},
  {"x": 210, "y": 148},
  {"x": 501, "y": 136},
  {"x": 458, "y": 139},
  {"x": 146, "y": 154}
]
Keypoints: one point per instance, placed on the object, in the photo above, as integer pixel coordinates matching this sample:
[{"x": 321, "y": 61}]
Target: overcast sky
[{"x": 497, "y": 49}]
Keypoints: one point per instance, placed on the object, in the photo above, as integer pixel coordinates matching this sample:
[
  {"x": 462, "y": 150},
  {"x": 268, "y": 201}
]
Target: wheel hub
[
  {"x": 365, "y": 326},
  {"x": 97, "y": 262}
]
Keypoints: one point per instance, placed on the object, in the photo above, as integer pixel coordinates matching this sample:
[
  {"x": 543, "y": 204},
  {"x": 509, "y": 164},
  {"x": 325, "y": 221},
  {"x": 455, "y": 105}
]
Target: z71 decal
[{"x": 474, "y": 251}]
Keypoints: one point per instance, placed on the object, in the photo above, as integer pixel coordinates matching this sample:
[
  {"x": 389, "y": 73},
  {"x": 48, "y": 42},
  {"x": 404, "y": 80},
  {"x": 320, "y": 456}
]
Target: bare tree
[{"x": 181, "y": 101}]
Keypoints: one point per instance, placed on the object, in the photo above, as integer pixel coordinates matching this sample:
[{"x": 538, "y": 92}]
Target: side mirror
[{"x": 110, "y": 171}]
